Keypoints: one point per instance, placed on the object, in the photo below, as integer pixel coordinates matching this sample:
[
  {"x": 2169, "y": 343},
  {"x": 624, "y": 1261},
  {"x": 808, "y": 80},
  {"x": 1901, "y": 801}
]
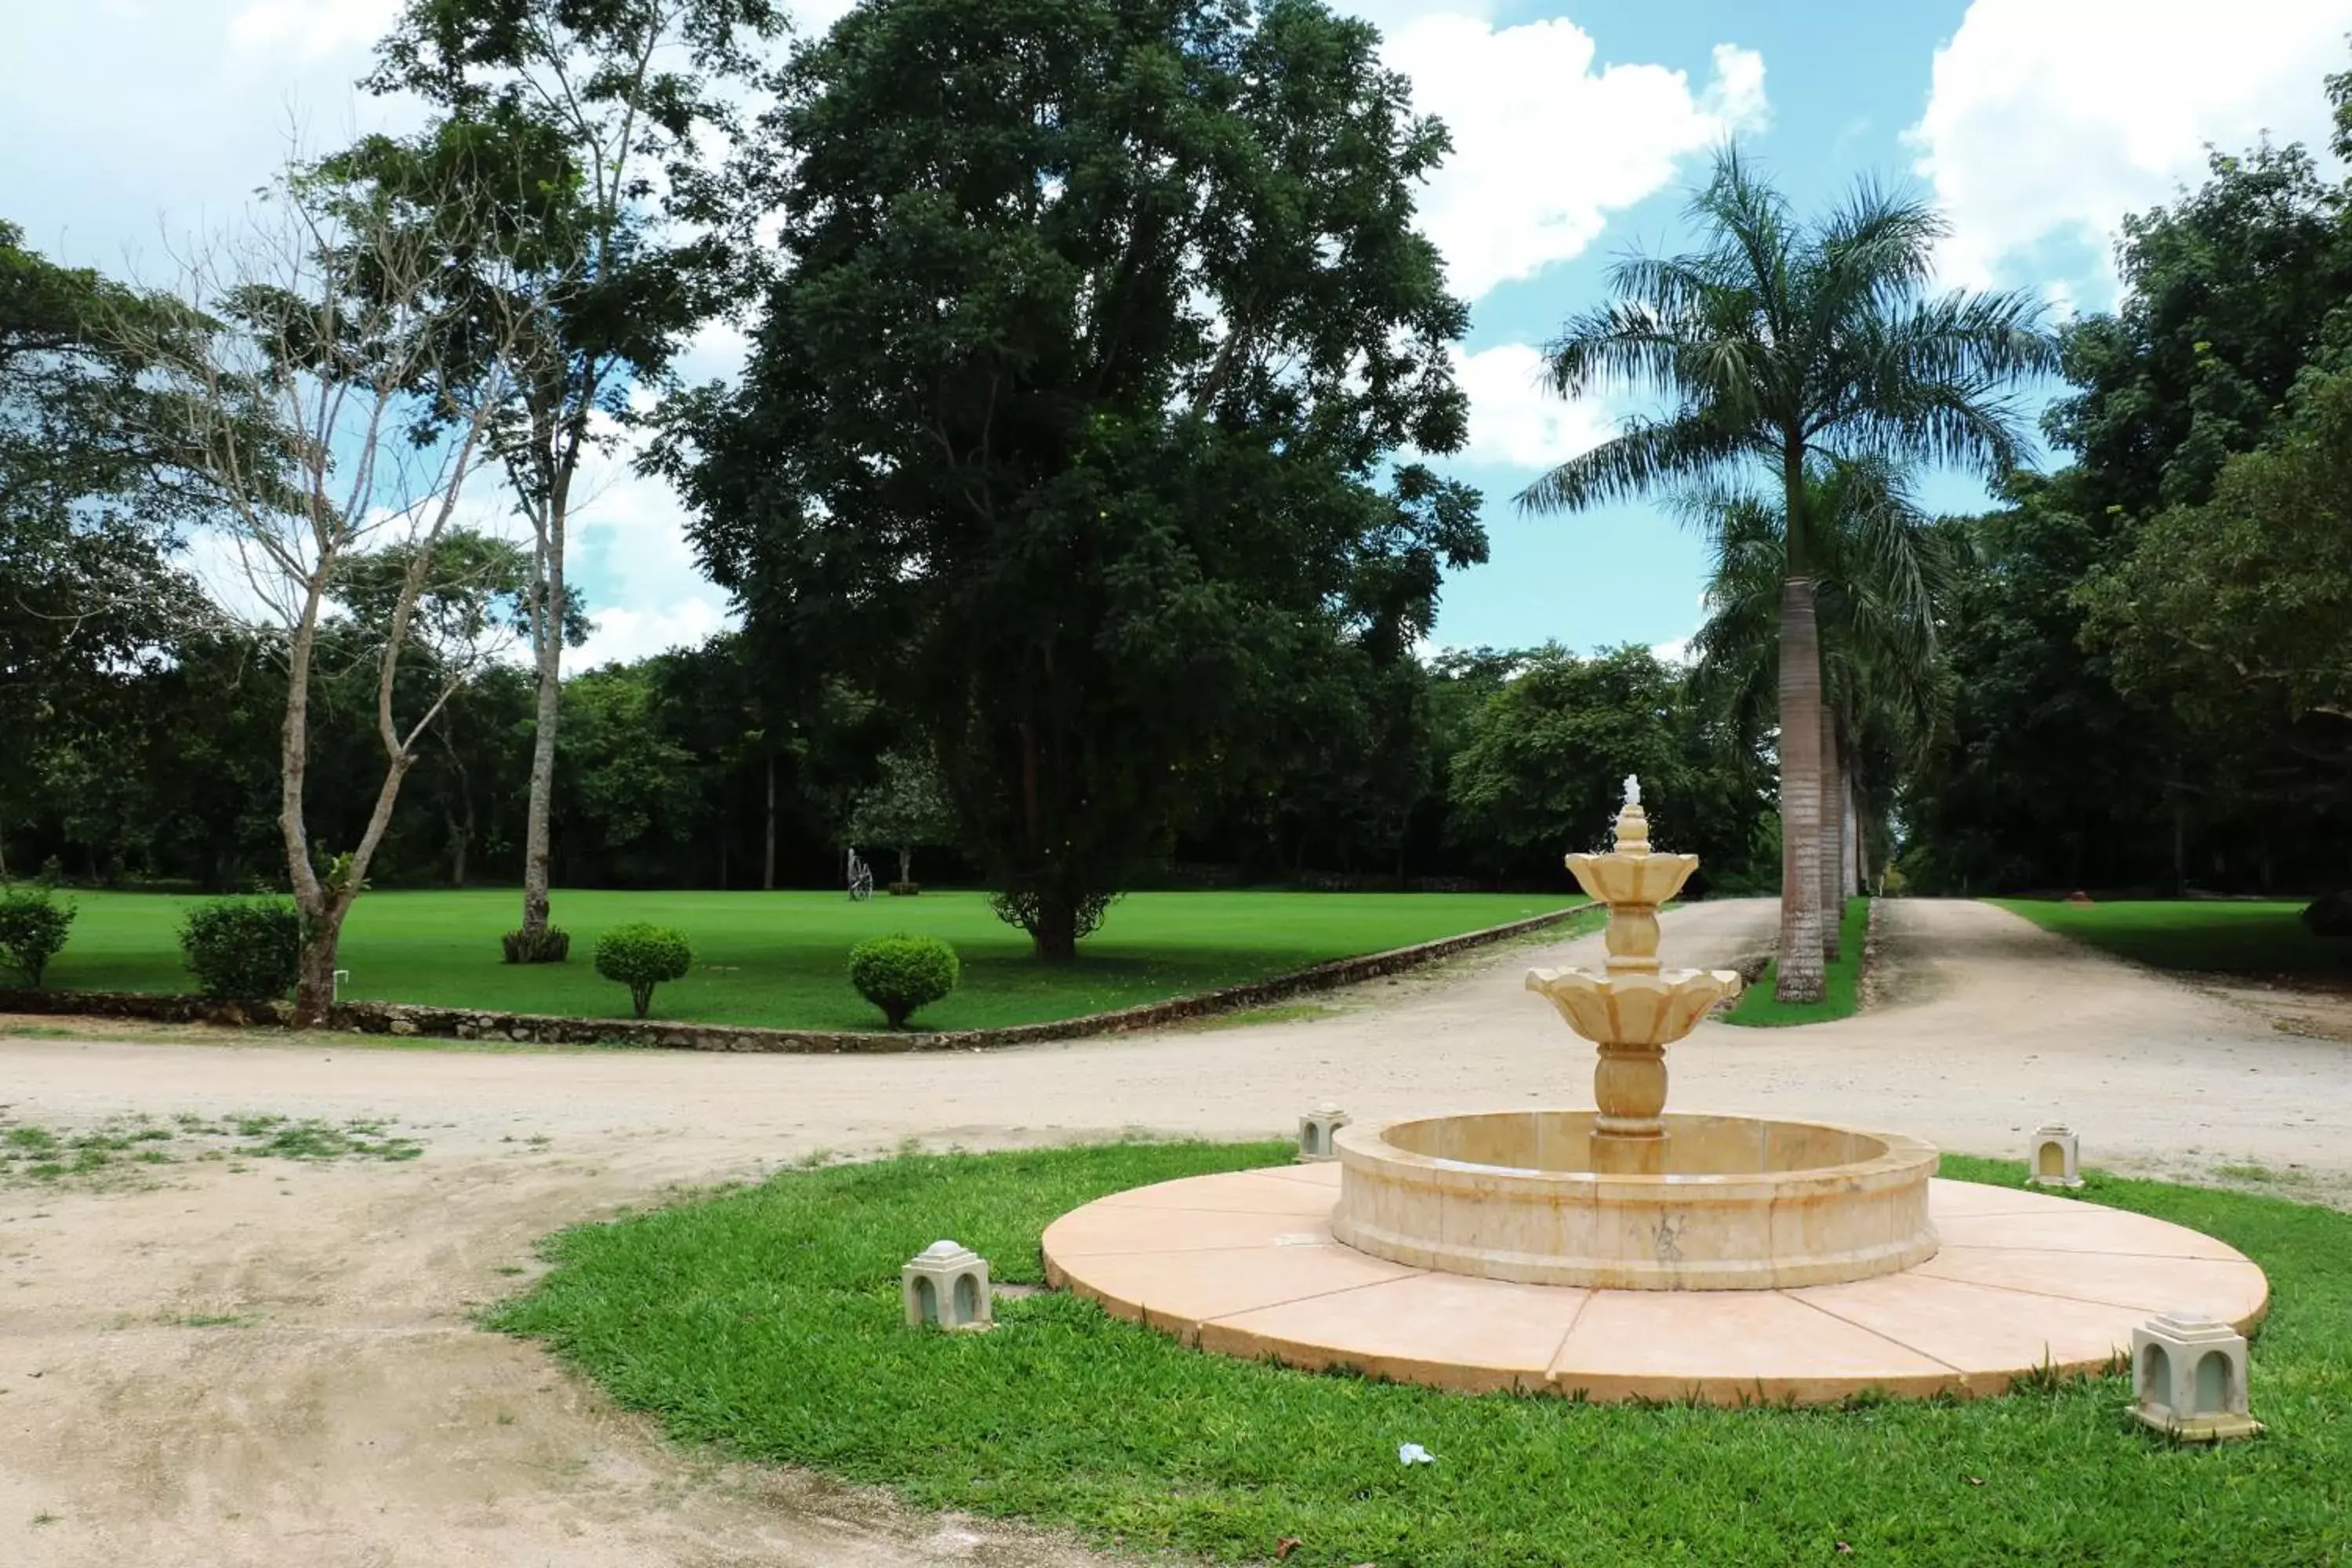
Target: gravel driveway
[{"x": 274, "y": 1366}]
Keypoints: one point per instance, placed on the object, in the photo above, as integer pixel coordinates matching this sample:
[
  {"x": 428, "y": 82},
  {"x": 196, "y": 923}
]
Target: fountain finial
[{"x": 1633, "y": 789}]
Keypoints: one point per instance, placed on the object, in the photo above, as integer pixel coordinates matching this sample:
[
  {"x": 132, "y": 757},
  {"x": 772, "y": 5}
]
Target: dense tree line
[
  {"x": 2146, "y": 672},
  {"x": 673, "y": 774}
]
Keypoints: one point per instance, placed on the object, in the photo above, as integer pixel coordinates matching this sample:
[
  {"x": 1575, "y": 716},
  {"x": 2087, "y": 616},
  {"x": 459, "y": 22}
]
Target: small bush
[
  {"x": 902, "y": 973},
  {"x": 905, "y": 889},
  {"x": 243, "y": 949},
  {"x": 33, "y": 926},
  {"x": 642, "y": 957},
  {"x": 2330, "y": 915},
  {"x": 546, "y": 945}
]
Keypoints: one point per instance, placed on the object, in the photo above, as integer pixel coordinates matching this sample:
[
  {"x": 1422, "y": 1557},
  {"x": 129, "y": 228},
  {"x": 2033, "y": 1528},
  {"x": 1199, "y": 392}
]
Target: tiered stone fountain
[
  {"x": 1626, "y": 1195},
  {"x": 1630, "y": 1252}
]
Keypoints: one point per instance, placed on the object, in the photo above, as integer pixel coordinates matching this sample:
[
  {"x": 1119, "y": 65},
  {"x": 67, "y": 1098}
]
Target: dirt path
[{"x": 345, "y": 1413}]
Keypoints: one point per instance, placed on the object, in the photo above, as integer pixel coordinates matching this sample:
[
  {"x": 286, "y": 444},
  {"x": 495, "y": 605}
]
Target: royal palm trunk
[
  {"x": 1833, "y": 836},
  {"x": 1800, "y": 968}
]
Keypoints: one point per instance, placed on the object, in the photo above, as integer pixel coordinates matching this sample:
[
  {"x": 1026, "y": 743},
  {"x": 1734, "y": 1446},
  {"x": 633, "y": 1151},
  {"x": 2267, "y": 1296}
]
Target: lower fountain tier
[{"x": 1737, "y": 1203}]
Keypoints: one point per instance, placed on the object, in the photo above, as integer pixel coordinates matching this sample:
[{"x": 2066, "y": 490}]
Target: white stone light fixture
[
  {"x": 945, "y": 1286},
  {"x": 1316, "y": 1128},
  {"x": 2054, "y": 1158},
  {"x": 2189, "y": 1378}
]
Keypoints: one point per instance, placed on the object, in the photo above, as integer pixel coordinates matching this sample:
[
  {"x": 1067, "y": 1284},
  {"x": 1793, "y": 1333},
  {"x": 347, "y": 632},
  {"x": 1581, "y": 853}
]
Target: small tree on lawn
[
  {"x": 326, "y": 417},
  {"x": 904, "y": 809},
  {"x": 642, "y": 957}
]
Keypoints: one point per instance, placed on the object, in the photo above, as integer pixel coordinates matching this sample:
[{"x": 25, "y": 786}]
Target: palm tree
[
  {"x": 1881, "y": 576},
  {"x": 1776, "y": 345}
]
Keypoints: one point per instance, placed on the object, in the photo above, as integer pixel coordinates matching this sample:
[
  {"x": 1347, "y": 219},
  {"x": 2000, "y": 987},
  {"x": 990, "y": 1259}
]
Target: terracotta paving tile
[
  {"x": 1986, "y": 1333},
  {"x": 1110, "y": 1227},
  {"x": 2082, "y": 1227},
  {"x": 1729, "y": 1346},
  {"x": 2232, "y": 1291},
  {"x": 1324, "y": 1173},
  {"x": 1446, "y": 1329},
  {"x": 1948, "y": 1199},
  {"x": 1176, "y": 1291},
  {"x": 1240, "y": 1192}
]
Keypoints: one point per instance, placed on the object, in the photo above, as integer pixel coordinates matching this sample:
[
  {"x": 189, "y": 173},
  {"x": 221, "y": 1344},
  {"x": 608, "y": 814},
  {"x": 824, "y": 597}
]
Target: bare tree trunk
[
  {"x": 1833, "y": 838},
  {"x": 768, "y": 854},
  {"x": 549, "y": 629},
  {"x": 311, "y": 899},
  {"x": 1799, "y": 968}
]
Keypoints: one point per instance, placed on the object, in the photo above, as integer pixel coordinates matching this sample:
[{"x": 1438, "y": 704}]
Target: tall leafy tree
[
  {"x": 590, "y": 130},
  {"x": 91, "y": 507},
  {"x": 1777, "y": 343},
  {"x": 2113, "y": 723},
  {"x": 1071, "y": 421}
]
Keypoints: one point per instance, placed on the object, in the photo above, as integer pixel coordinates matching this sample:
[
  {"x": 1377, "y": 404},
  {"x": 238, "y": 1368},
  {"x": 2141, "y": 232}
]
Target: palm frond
[{"x": 1645, "y": 454}]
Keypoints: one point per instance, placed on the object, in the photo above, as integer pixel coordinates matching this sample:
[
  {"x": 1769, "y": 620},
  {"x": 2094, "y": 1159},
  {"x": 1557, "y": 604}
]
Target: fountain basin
[{"x": 1737, "y": 1203}]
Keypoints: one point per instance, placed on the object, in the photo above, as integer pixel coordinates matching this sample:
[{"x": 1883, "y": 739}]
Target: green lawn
[
  {"x": 767, "y": 1322},
  {"x": 781, "y": 958},
  {"x": 2220, "y": 937},
  {"x": 1839, "y": 997}
]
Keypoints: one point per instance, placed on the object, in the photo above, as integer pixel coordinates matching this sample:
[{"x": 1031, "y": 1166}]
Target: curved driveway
[{"x": 347, "y": 1414}]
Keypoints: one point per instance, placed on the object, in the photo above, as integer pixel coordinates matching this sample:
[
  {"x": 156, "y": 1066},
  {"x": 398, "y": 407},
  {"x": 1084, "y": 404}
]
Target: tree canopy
[{"x": 1073, "y": 421}]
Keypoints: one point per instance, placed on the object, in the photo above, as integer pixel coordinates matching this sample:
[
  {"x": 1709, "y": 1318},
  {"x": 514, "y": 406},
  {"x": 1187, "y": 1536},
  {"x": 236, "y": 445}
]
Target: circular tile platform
[{"x": 1243, "y": 1264}]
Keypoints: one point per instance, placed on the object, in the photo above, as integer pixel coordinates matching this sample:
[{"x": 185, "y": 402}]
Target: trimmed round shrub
[
  {"x": 902, "y": 973},
  {"x": 2330, "y": 915},
  {"x": 546, "y": 945},
  {"x": 243, "y": 949},
  {"x": 642, "y": 957},
  {"x": 33, "y": 926}
]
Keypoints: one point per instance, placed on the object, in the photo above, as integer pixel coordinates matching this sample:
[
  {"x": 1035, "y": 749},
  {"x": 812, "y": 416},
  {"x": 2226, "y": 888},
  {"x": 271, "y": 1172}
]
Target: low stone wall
[{"x": 408, "y": 1019}]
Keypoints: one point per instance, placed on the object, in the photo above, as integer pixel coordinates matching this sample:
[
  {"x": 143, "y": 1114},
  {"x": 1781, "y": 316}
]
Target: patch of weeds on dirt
[
  {"x": 1279, "y": 1013},
  {"x": 212, "y": 1320},
  {"x": 125, "y": 1151}
]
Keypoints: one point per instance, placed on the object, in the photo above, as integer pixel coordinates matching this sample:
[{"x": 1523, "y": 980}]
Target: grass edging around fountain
[
  {"x": 1842, "y": 993},
  {"x": 767, "y": 1322}
]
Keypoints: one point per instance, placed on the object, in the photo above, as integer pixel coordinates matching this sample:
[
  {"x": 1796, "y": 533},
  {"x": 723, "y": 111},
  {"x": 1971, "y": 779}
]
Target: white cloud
[
  {"x": 1546, "y": 145},
  {"x": 311, "y": 28},
  {"x": 2050, "y": 120},
  {"x": 1516, "y": 418},
  {"x": 629, "y": 555},
  {"x": 624, "y": 637}
]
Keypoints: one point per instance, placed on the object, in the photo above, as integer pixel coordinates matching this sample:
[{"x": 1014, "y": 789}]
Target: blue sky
[{"x": 1578, "y": 125}]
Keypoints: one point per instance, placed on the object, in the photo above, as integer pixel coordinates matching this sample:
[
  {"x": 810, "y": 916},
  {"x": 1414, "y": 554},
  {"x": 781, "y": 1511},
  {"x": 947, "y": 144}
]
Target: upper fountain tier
[
  {"x": 1633, "y": 1003},
  {"x": 1629, "y": 875}
]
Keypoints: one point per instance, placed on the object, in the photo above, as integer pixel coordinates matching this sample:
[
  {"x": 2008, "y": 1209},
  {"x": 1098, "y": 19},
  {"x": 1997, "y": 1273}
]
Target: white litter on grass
[{"x": 1414, "y": 1454}]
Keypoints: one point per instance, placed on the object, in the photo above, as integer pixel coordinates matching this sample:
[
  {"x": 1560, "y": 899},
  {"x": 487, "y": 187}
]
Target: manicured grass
[
  {"x": 781, "y": 958},
  {"x": 1840, "y": 997},
  {"x": 2216, "y": 936},
  {"x": 767, "y": 1322}
]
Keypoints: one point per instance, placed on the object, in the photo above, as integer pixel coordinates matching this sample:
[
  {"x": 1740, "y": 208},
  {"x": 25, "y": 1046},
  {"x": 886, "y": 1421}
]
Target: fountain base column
[{"x": 1629, "y": 1132}]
